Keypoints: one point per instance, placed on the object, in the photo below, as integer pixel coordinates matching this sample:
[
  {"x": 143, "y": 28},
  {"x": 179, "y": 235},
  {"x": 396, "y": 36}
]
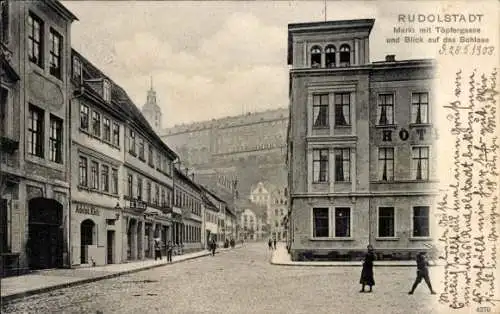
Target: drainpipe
[{"x": 78, "y": 94}]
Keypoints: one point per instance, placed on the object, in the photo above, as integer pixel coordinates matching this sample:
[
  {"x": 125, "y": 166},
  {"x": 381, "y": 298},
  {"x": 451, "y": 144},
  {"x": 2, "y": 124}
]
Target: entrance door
[
  {"x": 45, "y": 233},
  {"x": 111, "y": 246},
  {"x": 86, "y": 238}
]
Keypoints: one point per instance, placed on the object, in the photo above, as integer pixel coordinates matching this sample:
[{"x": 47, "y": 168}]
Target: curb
[
  {"x": 312, "y": 264},
  {"x": 12, "y": 297}
]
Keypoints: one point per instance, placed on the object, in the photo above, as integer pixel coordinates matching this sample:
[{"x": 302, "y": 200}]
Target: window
[
  {"x": 315, "y": 57},
  {"x": 342, "y": 109},
  {"x": 105, "y": 178},
  {"x": 320, "y": 111},
  {"x": 148, "y": 192},
  {"x": 141, "y": 148},
  {"x": 342, "y": 164},
  {"x": 330, "y": 56},
  {"x": 55, "y": 140},
  {"x": 150, "y": 155},
  {"x": 84, "y": 117},
  {"x": 420, "y": 108},
  {"x": 4, "y": 227},
  {"x": 421, "y": 221},
  {"x": 96, "y": 123},
  {"x": 162, "y": 200},
  {"x": 342, "y": 222},
  {"x": 420, "y": 163},
  {"x": 4, "y": 102},
  {"x": 76, "y": 68},
  {"x": 114, "y": 181},
  {"x": 385, "y": 109},
  {"x": 94, "y": 175},
  {"x": 55, "y": 66},
  {"x": 83, "y": 171},
  {"x": 157, "y": 195},
  {"x": 130, "y": 185},
  {"x": 4, "y": 18},
  {"x": 386, "y": 222},
  {"x": 35, "y": 39},
  {"x": 320, "y": 222},
  {"x": 35, "y": 131},
  {"x": 106, "y": 128},
  {"x": 320, "y": 165},
  {"x": 386, "y": 163},
  {"x": 106, "y": 90},
  {"x": 131, "y": 143},
  {"x": 139, "y": 188},
  {"x": 345, "y": 55},
  {"x": 158, "y": 160},
  {"x": 116, "y": 134}
]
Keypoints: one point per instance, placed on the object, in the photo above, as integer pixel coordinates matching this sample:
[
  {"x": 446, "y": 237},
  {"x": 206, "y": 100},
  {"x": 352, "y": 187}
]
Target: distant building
[
  {"x": 252, "y": 220},
  {"x": 250, "y": 147},
  {"x": 152, "y": 111},
  {"x": 361, "y": 153},
  {"x": 278, "y": 210}
]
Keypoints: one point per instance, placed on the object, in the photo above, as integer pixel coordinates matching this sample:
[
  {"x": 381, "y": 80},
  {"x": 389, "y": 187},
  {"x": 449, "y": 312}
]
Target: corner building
[
  {"x": 361, "y": 152},
  {"x": 35, "y": 51}
]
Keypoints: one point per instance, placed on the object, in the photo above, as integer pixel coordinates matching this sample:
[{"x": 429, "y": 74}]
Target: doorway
[
  {"x": 86, "y": 238},
  {"x": 111, "y": 246},
  {"x": 45, "y": 233}
]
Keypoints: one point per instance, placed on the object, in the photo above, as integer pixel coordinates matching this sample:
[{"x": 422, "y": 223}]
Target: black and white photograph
[{"x": 249, "y": 156}]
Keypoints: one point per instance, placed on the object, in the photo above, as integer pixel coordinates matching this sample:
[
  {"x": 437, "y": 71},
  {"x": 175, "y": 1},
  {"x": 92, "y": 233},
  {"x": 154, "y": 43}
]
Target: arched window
[
  {"x": 345, "y": 55},
  {"x": 315, "y": 57},
  {"x": 330, "y": 56}
]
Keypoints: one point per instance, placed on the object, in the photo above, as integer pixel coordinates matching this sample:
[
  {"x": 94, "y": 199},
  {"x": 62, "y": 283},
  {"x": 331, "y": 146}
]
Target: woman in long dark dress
[{"x": 367, "y": 272}]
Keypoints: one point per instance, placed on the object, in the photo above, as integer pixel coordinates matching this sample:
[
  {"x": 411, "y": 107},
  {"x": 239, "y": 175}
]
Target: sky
[{"x": 214, "y": 59}]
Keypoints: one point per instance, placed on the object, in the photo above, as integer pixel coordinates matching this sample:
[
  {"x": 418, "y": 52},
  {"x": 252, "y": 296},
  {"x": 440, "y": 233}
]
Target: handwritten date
[{"x": 466, "y": 50}]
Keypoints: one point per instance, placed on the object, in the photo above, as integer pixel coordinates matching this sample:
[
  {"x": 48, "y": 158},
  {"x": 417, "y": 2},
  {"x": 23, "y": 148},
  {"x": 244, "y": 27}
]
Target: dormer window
[
  {"x": 345, "y": 55},
  {"x": 330, "y": 56},
  {"x": 77, "y": 68},
  {"x": 316, "y": 57},
  {"x": 106, "y": 90}
]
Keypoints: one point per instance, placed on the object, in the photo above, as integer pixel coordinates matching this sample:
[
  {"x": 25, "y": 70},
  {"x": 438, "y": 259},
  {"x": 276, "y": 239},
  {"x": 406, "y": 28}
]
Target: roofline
[
  {"x": 327, "y": 25},
  {"x": 61, "y": 9},
  {"x": 187, "y": 178}
]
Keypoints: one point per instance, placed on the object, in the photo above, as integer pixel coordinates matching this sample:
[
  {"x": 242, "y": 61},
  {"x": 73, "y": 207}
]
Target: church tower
[{"x": 151, "y": 110}]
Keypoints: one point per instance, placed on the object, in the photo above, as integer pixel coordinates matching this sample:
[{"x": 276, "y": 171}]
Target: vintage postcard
[{"x": 249, "y": 156}]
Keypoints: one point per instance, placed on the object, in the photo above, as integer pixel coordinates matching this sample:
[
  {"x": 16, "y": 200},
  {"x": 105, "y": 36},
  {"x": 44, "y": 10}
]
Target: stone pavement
[
  {"x": 46, "y": 280},
  {"x": 281, "y": 257}
]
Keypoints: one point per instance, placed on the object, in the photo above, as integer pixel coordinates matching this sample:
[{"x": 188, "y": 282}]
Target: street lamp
[{"x": 118, "y": 210}]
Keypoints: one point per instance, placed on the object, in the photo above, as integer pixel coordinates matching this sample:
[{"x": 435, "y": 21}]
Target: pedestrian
[
  {"x": 169, "y": 251},
  {"x": 367, "y": 271},
  {"x": 157, "y": 244},
  {"x": 274, "y": 242},
  {"x": 422, "y": 273},
  {"x": 214, "y": 246},
  {"x": 270, "y": 244}
]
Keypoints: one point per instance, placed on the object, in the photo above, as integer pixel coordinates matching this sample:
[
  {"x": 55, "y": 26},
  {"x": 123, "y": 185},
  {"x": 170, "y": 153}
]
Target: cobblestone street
[{"x": 238, "y": 281}]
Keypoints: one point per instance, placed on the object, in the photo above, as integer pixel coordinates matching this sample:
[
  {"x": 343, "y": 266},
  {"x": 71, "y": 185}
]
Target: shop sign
[{"x": 86, "y": 210}]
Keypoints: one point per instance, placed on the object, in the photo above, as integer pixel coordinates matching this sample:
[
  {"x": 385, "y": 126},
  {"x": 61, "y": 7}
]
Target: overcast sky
[{"x": 214, "y": 59}]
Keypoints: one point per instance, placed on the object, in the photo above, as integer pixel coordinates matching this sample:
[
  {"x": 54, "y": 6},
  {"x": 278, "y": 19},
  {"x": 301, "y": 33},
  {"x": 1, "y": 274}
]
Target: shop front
[{"x": 94, "y": 231}]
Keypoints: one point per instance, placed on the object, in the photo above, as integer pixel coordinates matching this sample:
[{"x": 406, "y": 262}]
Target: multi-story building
[
  {"x": 210, "y": 221},
  {"x": 215, "y": 216},
  {"x": 188, "y": 198},
  {"x": 277, "y": 211},
  {"x": 35, "y": 54},
  {"x": 231, "y": 224},
  {"x": 251, "y": 220},
  {"x": 360, "y": 145},
  {"x": 122, "y": 187}
]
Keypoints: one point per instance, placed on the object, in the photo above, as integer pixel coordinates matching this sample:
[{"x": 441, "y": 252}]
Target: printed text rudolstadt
[{"x": 440, "y": 18}]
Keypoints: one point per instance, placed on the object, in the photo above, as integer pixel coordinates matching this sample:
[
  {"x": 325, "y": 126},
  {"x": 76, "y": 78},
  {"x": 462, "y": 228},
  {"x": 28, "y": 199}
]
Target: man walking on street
[
  {"x": 157, "y": 249},
  {"x": 270, "y": 244},
  {"x": 274, "y": 242},
  {"x": 169, "y": 251},
  {"x": 213, "y": 247},
  {"x": 422, "y": 273}
]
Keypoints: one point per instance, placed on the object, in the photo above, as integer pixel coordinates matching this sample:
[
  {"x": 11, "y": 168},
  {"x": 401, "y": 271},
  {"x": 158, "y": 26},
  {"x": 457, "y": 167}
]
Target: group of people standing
[
  {"x": 367, "y": 278},
  {"x": 169, "y": 248},
  {"x": 272, "y": 244}
]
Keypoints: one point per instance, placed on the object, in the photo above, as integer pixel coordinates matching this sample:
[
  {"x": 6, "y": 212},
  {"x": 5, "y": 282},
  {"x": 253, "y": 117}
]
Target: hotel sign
[
  {"x": 87, "y": 210},
  {"x": 138, "y": 204}
]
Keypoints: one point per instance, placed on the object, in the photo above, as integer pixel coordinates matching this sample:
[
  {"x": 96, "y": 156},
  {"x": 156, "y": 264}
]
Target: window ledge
[
  {"x": 85, "y": 188},
  {"x": 331, "y": 239},
  {"x": 386, "y": 126},
  {"x": 420, "y": 238},
  {"x": 131, "y": 152},
  {"x": 326, "y": 127},
  {"x": 419, "y": 125},
  {"x": 387, "y": 238},
  {"x": 343, "y": 126},
  {"x": 321, "y": 182}
]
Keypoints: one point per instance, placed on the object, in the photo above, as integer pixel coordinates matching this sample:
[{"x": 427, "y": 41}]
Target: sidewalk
[
  {"x": 46, "y": 280},
  {"x": 281, "y": 257}
]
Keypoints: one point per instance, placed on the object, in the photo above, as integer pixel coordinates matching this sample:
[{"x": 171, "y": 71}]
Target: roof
[
  {"x": 61, "y": 9},
  {"x": 123, "y": 103},
  {"x": 329, "y": 26},
  {"x": 187, "y": 179}
]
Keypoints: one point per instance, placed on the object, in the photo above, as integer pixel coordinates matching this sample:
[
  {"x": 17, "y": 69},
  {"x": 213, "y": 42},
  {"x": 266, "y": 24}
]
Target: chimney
[
  {"x": 390, "y": 58},
  {"x": 186, "y": 170},
  {"x": 192, "y": 176}
]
